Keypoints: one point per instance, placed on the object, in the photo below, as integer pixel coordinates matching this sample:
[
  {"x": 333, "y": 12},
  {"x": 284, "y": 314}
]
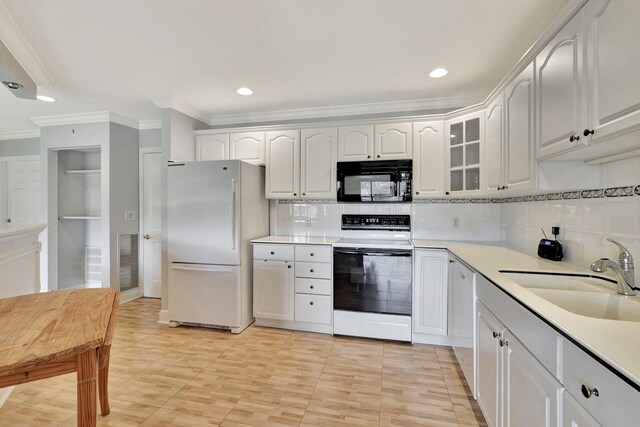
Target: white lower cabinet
[
  {"x": 292, "y": 286},
  {"x": 430, "y": 297},
  {"x": 574, "y": 415},
  {"x": 273, "y": 290},
  {"x": 462, "y": 293},
  {"x": 513, "y": 388}
]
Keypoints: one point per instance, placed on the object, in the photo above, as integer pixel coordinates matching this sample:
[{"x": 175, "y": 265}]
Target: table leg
[
  {"x": 86, "y": 362},
  {"x": 103, "y": 379}
]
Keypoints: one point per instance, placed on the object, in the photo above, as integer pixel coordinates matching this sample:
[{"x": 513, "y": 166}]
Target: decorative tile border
[{"x": 597, "y": 193}]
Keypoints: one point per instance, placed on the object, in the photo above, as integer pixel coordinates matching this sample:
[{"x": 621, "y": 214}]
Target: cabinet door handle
[
  {"x": 311, "y": 303},
  {"x": 304, "y": 194},
  {"x": 587, "y": 391},
  {"x": 295, "y": 194},
  {"x": 311, "y": 254},
  {"x": 368, "y": 157},
  {"x": 378, "y": 156},
  {"x": 463, "y": 277},
  {"x": 451, "y": 261},
  {"x": 272, "y": 253},
  {"x": 417, "y": 193},
  {"x": 311, "y": 270},
  {"x": 501, "y": 343},
  {"x": 588, "y": 132},
  {"x": 311, "y": 287},
  {"x": 288, "y": 266},
  {"x": 574, "y": 138},
  {"x": 447, "y": 193},
  {"x": 496, "y": 334}
]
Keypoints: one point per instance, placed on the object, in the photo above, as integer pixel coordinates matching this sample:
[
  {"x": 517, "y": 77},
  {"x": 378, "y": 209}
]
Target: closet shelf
[
  {"x": 84, "y": 217},
  {"x": 83, "y": 172}
]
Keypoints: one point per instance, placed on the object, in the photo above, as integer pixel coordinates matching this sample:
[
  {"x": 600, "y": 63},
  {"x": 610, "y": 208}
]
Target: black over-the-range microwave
[{"x": 375, "y": 181}]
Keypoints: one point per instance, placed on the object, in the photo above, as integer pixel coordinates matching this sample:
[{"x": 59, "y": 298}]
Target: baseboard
[
  {"x": 297, "y": 326},
  {"x": 129, "y": 295},
  {"x": 163, "y": 317},
  {"x": 431, "y": 339}
]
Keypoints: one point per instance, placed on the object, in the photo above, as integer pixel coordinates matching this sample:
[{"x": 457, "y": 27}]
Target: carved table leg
[
  {"x": 86, "y": 363},
  {"x": 103, "y": 379}
]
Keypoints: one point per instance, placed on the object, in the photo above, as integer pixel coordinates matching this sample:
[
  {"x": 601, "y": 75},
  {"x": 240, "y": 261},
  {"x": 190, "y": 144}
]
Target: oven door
[{"x": 372, "y": 280}]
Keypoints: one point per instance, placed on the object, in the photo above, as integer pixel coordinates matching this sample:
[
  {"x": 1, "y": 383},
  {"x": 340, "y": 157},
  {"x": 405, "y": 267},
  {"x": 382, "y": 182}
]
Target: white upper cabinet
[
  {"x": 212, "y": 147},
  {"x": 561, "y": 90},
  {"x": 520, "y": 165},
  {"x": 463, "y": 144},
  {"x": 282, "y": 164},
  {"x": 355, "y": 143},
  {"x": 319, "y": 157},
  {"x": 248, "y": 146},
  {"x": 428, "y": 159},
  {"x": 393, "y": 141},
  {"x": 613, "y": 67},
  {"x": 494, "y": 144}
]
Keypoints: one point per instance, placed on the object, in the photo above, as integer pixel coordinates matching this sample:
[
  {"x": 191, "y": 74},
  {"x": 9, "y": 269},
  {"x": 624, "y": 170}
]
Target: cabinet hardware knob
[
  {"x": 146, "y": 236},
  {"x": 368, "y": 157},
  {"x": 311, "y": 254},
  {"x": 447, "y": 193},
  {"x": 288, "y": 266},
  {"x": 272, "y": 252},
  {"x": 451, "y": 261},
  {"x": 463, "y": 277},
  {"x": 311, "y": 270},
  {"x": 304, "y": 194},
  {"x": 311, "y": 303},
  {"x": 378, "y": 155},
  {"x": 588, "y": 391},
  {"x": 588, "y": 132},
  {"x": 501, "y": 343},
  {"x": 311, "y": 287},
  {"x": 295, "y": 194},
  {"x": 417, "y": 192},
  {"x": 496, "y": 334},
  {"x": 574, "y": 138}
]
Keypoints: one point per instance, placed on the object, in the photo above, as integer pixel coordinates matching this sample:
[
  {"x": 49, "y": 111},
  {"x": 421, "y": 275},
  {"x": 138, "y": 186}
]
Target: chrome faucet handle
[{"x": 624, "y": 257}]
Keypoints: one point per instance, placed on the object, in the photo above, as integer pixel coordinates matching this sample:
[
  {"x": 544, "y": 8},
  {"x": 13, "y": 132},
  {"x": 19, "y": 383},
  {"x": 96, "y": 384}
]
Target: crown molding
[
  {"x": 169, "y": 101},
  {"x": 149, "y": 124},
  {"x": 17, "y": 44},
  {"x": 94, "y": 117},
  {"x": 26, "y": 134},
  {"x": 413, "y": 105}
]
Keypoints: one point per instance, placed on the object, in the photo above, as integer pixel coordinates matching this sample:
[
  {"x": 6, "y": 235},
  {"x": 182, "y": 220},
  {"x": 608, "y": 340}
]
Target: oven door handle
[{"x": 373, "y": 253}]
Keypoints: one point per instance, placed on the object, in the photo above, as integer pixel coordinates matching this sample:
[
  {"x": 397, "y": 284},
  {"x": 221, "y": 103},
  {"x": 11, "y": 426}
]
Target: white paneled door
[
  {"x": 23, "y": 192},
  {"x": 150, "y": 226}
]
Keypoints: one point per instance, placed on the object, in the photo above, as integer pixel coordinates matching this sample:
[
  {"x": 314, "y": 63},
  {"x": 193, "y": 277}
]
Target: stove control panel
[{"x": 376, "y": 222}]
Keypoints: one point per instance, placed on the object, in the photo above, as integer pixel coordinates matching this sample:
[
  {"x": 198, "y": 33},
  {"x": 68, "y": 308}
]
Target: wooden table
[{"x": 56, "y": 333}]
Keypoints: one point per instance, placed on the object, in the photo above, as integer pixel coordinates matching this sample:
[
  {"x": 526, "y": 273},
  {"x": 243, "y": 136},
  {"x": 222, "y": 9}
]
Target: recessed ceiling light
[
  {"x": 45, "y": 98},
  {"x": 438, "y": 72},
  {"x": 244, "y": 91}
]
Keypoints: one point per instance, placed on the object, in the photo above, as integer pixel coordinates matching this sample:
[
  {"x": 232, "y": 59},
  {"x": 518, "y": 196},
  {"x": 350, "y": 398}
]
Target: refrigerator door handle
[
  {"x": 198, "y": 267},
  {"x": 232, "y": 210}
]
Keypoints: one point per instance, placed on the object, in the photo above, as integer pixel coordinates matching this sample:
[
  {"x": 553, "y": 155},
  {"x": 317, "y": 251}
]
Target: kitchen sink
[{"x": 585, "y": 295}]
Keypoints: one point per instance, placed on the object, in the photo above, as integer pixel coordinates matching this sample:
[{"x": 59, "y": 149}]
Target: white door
[
  {"x": 319, "y": 149},
  {"x": 561, "y": 90},
  {"x": 430, "y": 294},
  {"x": 494, "y": 145},
  {"x": 530, "y": 392},
  {"x": 393, "y": 141},
  {"x": 613, "y": 67},
  {"x": 248, "y": 147},
  {"x": 283, "y": 164},
  {"x": 520, "y": 164},
  {"x": 428, "y": 140},
  {"x": 23, "y": 192},
  {"x": 488, "y": 365},
  {"x": 150, "y": 227},
  {"x": 273, "y": 290},
  {"x": 212, "y": 147},
  {"x": 355, "y": 143}
]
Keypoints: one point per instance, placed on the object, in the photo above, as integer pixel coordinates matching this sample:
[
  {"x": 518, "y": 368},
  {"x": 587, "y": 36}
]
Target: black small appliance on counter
[{"x": 550, "y": 249}]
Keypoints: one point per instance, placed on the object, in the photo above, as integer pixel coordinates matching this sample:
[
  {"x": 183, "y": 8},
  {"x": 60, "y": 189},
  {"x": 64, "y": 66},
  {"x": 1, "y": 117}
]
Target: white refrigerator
[{"x": 215, "y": 208}]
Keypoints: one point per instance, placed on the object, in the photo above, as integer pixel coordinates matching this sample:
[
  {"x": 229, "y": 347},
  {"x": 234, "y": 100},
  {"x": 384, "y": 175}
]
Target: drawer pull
[
  {"x": 311, "y": 270},
  {"x": 289, "y": 266},
  {"x": 496, "y": 334},
  {"x": 272, "y": 253},
  {"x": 311, "y": 254},
  {"x": 311, "y": 287},
  {"x": 588, "y": 391},
  {"x": 502, "y": 343},
  {"x": 311, "y": 303}
]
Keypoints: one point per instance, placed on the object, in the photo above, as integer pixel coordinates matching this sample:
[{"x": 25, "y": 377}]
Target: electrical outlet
[
  {"x": 456, "y": 222},
  {"x": 130, "y": 215}
]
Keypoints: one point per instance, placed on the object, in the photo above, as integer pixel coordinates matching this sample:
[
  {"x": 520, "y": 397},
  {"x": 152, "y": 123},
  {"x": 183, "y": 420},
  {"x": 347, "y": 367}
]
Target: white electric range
[{"x": 372, "y": 277}]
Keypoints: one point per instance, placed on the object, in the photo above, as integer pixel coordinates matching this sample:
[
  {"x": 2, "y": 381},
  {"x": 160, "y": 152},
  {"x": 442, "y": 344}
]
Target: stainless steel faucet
[{"x": 623, "y": 269}]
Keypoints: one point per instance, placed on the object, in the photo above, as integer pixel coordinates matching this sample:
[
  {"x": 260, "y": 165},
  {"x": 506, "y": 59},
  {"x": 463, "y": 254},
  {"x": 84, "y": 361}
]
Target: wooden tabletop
[{"x": 40, "y": 328}]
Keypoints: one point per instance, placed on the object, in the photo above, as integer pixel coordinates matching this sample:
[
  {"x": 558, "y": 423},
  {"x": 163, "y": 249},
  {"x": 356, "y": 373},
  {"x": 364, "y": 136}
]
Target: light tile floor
[{"x": 164, "y": 376}]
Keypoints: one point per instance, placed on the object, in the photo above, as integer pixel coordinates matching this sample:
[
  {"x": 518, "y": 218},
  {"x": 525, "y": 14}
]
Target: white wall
[{"x": 584, "y": 223}]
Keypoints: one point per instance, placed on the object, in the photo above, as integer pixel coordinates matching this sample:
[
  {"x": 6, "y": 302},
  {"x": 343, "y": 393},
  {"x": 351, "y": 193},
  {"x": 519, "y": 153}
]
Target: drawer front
[
  {"x": 617, "y": 403},
  {"x": 313, "y": 309},
  {"x": 313, "y": 253},
  {"x": 313, "y": 270},
  {"x": 313, "y": 286},
  {"x": 273, "y": 252}
]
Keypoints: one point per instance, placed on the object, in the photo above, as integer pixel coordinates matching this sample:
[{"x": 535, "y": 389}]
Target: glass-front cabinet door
[{"x": 464, "y": 142}]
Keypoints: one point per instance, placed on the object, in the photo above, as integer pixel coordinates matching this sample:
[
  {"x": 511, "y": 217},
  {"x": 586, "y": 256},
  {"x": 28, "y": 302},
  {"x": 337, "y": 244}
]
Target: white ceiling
[{"x": 116, "y": 55}]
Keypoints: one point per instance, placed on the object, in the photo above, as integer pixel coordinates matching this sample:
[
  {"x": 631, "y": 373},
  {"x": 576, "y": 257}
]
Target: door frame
[{"x": 142, "y": 152}]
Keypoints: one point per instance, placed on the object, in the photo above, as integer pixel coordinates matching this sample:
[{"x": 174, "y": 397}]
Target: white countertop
[
  {"x": 616, "y": 342},
  {"x": 301, "y": 240},
  {"x": 7, "y": 231}
]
